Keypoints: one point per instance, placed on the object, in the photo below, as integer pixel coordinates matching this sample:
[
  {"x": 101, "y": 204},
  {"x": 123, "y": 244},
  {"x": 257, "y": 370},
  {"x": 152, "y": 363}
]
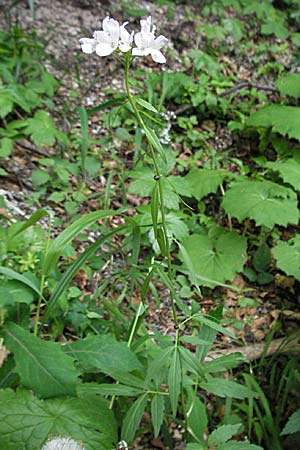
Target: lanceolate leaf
[
  {"x": 108, "y": 389},
  {"x": 26, "y": 422},
  {"x": 266, "y": 202},
  {"x": 41, "y": 365},
  {"x": 133, "y": 418},
  {"x": 73, "y": 269},
  {"x": 103, "y": 353},
  {"x": 174, "y": 379},
  {"x": 226, "y": 388},
  {"x": 56, "y": 247},
  {"x": 157, "y": 412},
  {"x": 31, "y": 221}
]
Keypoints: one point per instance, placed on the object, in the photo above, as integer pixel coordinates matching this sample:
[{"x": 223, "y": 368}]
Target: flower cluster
[
  {"x": 115, "y": 37},
  {"x": 62, "y": 443}
]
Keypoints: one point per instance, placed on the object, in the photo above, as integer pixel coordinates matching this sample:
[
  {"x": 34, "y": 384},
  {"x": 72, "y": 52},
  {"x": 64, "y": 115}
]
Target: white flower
[
  {"x": 126, "y": 39},
  {"x": 106, "y": 41},
  {"x": 62, "y": 443},
  {"x": 148, "y": 44}
]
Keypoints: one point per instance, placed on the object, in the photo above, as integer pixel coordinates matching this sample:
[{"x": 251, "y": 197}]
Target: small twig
[{"x": 32, "y": 149}]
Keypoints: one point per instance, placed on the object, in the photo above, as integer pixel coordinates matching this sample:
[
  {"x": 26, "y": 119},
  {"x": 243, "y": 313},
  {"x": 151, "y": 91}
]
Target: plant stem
[
  {"x": 42, "y": 283},
  {"x": 157, "y": 174}
]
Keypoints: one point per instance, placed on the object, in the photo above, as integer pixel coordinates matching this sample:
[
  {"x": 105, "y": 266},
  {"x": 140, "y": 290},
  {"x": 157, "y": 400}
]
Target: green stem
[
  {"x": 158, "y": 179},
  {"x": 157, "y": 174},
  {"x": 42, "y": 285}
]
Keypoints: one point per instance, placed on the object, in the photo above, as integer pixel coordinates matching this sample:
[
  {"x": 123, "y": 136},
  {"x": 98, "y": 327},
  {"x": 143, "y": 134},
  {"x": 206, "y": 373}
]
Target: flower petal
[
  {"x": 146, "y": 25},
  {"x": 112, "y": 27},
  {"x": 87, "y": 45},
  {"x": 159, "y": 42},
  {"x": 102, "y": 37},
  {"x": 104, "y": 49},
  {"x": 157, "y": 56},
  {"x": 139, "y": 52}
]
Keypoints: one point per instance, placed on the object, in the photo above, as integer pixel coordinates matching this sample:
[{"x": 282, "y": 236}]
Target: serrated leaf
[
  {"x": 224, "y": 433},
  {"x": 204, "y": 181},
  {"x": 157, "y": 412},
  {"x": 41, "y": 365},
  {"x": 289, "y": 84},
  {"x": 225, "y": 362},
  {"x": 287, "y": 255},
  {"x": 226, "y": 388},
  {"x": 133, "y": 418},
  {"x": 235, "y": 445},
  {"x": 292, "y": 425},
  {"x": 6, "y": 102},
  {"x": 41, "y": 129},
  {"x": 282, "y": 119},
  {"x": 103, "y": 353},
  {"x": 174, "y": 379},
  {"x": 263, "y": 201},
  {"x": 217, "y": 258},
  {"x": 108, "y": 389},
  {"x": 86, "y": 420},
  {"x": 190, "y": 362},
  {"x": 289, "y": 170}
]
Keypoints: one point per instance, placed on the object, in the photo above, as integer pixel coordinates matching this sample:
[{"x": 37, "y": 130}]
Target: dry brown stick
[{"x": 255, "y": 351}]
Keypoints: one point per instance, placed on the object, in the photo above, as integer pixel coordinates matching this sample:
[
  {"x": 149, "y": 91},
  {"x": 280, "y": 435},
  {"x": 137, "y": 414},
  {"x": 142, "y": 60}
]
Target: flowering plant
[{"x": 115, "y": 37}]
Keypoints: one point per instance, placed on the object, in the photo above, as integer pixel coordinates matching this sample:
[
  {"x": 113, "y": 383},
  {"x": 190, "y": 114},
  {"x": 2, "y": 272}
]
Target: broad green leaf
[
  {"x": 205, "y": 181},
  {"x": 133, "y": 418},
  {"x": 13, "y": 291},
  {"x": 224, "y": 433},
  {"x": 226, "y": 388},
  {"x": 281, "y": 119},
  {"x": 262, "y": 258},
  {"x": 293, "y": 424},
  {"x": 289, "y": 170},
  {"x": 40, "y": 177},
  {"x": 174, "y": 379},
  {"x": 289, "y": 84},
  {"x": 265, "y": 202},
  {"x": 108, "y": 389},
  {"x": 41, "y": 365},
  {"x": 41, "y": 129},
  {"x": 157, "y": 412},
  {"x": 6, "y": 146},
  {"x": 16, "y": 276},
  {"x": 287, "y": 255},
  {"x": 57, "y": 247},
  {"x": 26, "y": 422},
  {"x": 276, "y": 27},
  {"x": 103, "y": 353},
  {"x": 6, "y": 102},
  {"x": 217, "y": 258}
]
